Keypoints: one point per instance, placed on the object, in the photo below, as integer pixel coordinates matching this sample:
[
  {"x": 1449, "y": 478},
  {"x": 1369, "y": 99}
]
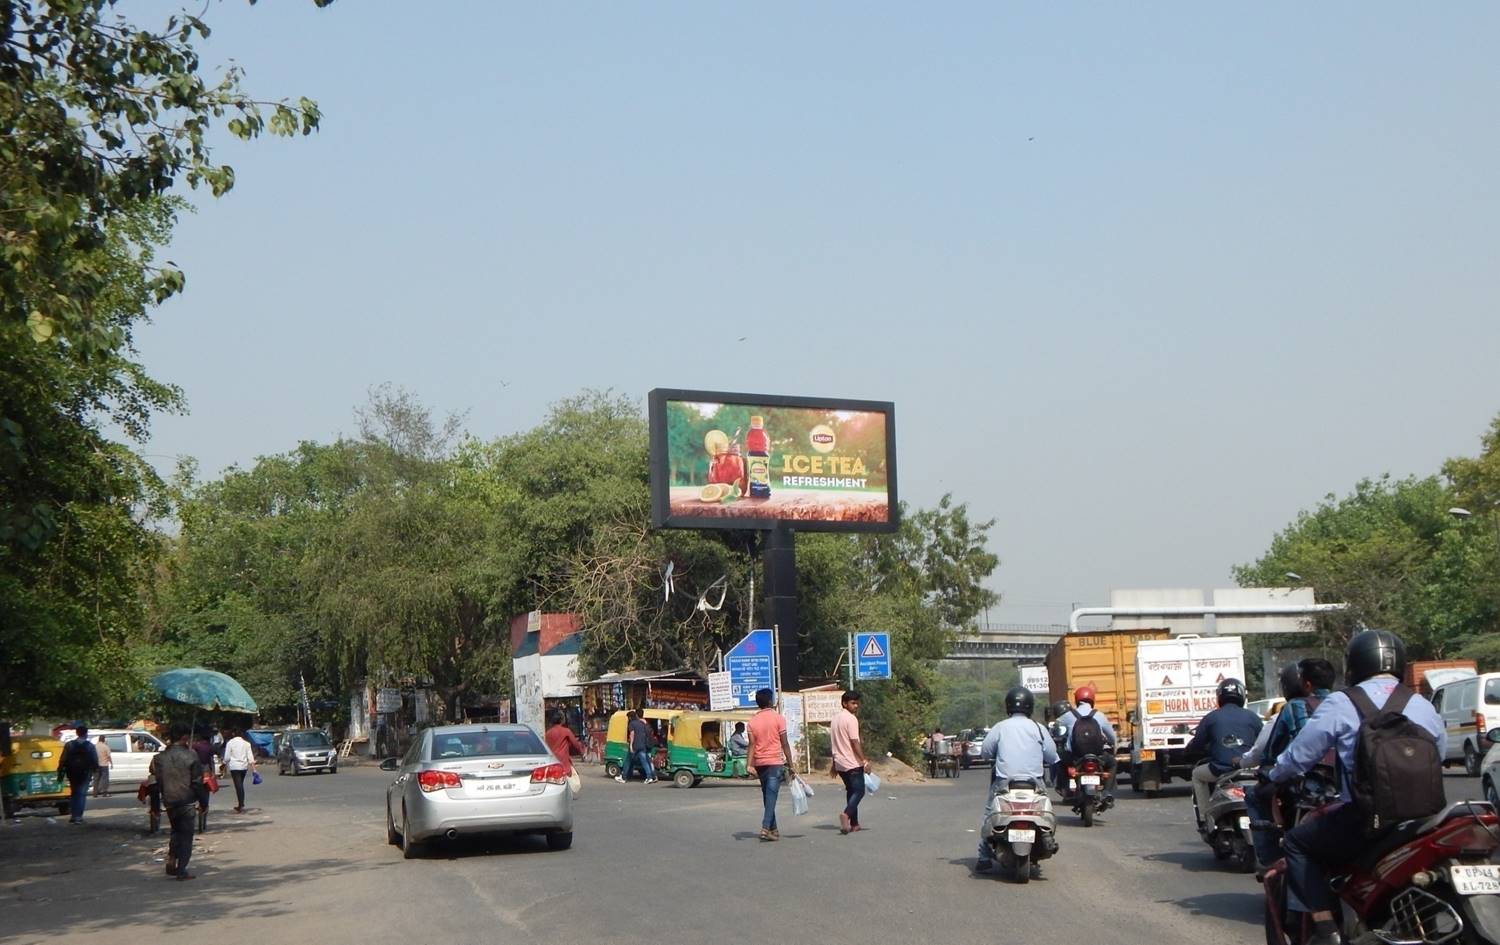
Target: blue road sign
[
  {"x": 872, "y": 656},
  {"x": 751, "y": 666}
]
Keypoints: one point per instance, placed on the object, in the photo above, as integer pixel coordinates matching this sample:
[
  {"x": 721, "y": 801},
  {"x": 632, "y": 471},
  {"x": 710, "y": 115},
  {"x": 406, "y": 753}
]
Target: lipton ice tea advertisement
[{"x": 728, "y": 461}]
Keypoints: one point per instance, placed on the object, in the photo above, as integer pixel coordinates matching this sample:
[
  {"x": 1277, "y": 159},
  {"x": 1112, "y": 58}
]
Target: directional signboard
[
  {"x": 872, "y": 656},
  {"x": 750, "y": 666}
]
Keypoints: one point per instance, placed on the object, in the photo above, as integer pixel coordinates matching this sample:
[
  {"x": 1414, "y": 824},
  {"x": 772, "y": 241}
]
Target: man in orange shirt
[
  {"x": 769, "y": 755},
  {"x": 849, "y": 761}
]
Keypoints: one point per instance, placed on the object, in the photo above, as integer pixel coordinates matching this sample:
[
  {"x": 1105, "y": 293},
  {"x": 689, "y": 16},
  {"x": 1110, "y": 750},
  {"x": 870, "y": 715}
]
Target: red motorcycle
[{"x": 1428, "y": 882}]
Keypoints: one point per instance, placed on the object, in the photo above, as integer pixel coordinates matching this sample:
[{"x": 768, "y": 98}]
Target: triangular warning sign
[
  {"x": 1166, "y": 680},
  {"x": 872, "y": 649}
]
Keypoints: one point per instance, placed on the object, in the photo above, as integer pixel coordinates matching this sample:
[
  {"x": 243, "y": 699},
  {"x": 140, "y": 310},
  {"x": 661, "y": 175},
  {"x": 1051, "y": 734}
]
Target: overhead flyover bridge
[{"x": 1007, "y": 641}]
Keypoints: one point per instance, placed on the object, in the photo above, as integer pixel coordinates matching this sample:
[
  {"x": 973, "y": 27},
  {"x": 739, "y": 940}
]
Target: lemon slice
[
  {"x": 716, "y": 442},
  {"x": 713, "y": 493}
]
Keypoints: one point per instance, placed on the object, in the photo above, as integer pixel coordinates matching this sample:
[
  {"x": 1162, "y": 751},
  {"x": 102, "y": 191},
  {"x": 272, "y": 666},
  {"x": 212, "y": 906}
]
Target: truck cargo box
[{"x": 1104, "y": 659}]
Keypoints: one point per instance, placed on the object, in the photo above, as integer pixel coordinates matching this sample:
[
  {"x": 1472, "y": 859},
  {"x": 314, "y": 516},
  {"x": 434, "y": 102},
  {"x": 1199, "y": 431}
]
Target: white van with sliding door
[{"x": 1470, "y": 708}]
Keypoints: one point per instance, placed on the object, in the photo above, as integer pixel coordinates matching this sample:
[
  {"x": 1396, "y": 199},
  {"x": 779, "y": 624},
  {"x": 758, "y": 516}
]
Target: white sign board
[
  {"x": 388, "y": 700},
  {"x": 1034, "y": 678},
  {"x": 1179, "y": 681},
  {"x": 720, "y": 692},
  {"x": 791, "y": 710},
  {"x": 821, "y": 706}
]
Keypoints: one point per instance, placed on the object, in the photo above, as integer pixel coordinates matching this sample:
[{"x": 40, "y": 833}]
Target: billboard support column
[{"x": 780, "y": 559}]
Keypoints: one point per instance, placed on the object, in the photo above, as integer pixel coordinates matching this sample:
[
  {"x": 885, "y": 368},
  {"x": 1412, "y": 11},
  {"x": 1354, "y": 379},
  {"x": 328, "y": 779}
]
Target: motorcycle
[
  {"x": 1087, "y": 783},
  {"x": 1427, "y": 882},
  {"x": 1020, "y": 828},
  {"x": 1225, "y": 826}
]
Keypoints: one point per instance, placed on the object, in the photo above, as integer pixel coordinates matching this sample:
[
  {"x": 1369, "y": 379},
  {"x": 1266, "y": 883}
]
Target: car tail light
[
  {"x": 430, "y": 781},
  {"x": 549, "y": 774},
  {"x": 1480, "y": 724}
]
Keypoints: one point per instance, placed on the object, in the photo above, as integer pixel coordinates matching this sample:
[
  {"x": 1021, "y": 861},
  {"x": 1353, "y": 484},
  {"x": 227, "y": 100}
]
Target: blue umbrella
[{"x": 204, "y": 689}]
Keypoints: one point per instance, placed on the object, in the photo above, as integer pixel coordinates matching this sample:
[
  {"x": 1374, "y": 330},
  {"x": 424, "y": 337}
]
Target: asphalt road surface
[{"x": 309, "y": 862}]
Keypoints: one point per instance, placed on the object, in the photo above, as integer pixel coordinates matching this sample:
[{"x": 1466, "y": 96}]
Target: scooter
[
  {"x": 1020, "y": 828},
  {"x": 1427, "y": 882},
  {"x": 1225, "y": 826},
  {"x": 1087, "y": 783}
]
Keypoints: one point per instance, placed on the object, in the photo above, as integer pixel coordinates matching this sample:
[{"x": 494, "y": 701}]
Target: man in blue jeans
[
  {"x": 642, "y": 744},
  {"x": 78, "y": 763},
  {"x": 770, "y": 754}
]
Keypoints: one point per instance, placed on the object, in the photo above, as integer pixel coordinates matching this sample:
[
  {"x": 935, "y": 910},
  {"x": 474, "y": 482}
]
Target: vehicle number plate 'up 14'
[
  {"x": 495, "y": 786},
  {"x": 1092, "y": 780},
  {"x": 1020, "y": 836},
  {"x": 1475, "y": 880}
]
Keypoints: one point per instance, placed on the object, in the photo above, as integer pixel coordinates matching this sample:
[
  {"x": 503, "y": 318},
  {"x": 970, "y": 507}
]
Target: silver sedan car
[{"x": 462, "y": 780}]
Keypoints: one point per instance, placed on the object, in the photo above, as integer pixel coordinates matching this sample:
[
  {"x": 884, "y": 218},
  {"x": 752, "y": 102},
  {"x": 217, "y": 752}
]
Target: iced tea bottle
[{"x": 758, "y": 459}]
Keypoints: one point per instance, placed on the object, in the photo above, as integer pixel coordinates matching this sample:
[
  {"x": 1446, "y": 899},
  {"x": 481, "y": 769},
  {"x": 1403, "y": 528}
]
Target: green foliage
[
  {"x": 972, "y": 692},
  {"x": 1394, "y": 553},
  {"x": 101, "y": 120}
]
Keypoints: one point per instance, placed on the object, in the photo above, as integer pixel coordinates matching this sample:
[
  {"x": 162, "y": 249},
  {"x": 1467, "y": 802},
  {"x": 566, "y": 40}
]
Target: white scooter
[{"x": 1020, "y": 828}]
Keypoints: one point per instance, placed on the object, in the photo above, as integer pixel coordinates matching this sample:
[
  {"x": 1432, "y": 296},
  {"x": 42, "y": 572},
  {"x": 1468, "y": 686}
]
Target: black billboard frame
[{"x": 661, "y": 506}]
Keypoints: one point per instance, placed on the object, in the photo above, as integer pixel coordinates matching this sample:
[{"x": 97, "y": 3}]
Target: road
[{"x": 650, "y": 864}]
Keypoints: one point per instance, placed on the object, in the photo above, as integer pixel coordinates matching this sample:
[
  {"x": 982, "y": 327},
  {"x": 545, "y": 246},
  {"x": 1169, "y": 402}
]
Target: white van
[{"x": 1470, "y": 708}]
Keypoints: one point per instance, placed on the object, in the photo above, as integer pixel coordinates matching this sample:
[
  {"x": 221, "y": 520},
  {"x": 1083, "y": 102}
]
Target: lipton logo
[{"x": 822, "y": 438}]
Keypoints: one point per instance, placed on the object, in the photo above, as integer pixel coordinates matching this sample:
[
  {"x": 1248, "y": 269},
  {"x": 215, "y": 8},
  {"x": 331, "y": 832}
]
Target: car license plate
[
  {"x": 493, "y": 787},
  {"x": 1020, "y": 836},
  {"x": 1090, "y": 780},
  {"x": 1475, "y": 880},
  {"x": 1244, "y": 823}
]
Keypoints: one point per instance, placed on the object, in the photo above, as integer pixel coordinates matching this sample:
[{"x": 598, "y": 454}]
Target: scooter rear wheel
[
  {"x": 1087, "y": 813},
  {"x": 1021, "y": 871}
]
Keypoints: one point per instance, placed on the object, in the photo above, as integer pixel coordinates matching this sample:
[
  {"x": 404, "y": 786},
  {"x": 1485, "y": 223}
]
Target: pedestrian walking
[
  {"x": 563, "y": 745},
  {"x": 642, "y": 745},
  {"x": 179, "y": 777},
  {"x": 106, "y": 762},
  {"x": 78, "y": 763},
  {"x": 239, "y": 758},
  {"x": 770, "y": 754},
  {"x": 849, "y": 761}
]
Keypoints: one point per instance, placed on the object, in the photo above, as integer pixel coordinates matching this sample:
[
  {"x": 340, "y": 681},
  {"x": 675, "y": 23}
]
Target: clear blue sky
[{"x": 1141, "y": 284}]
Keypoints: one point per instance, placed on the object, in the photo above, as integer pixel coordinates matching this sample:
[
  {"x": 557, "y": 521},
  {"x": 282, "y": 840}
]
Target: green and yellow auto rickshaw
[
  {"x": 698, "y": 747},
  {"x": 28, "y": 775},
  {"x": 615, "y": 742}
]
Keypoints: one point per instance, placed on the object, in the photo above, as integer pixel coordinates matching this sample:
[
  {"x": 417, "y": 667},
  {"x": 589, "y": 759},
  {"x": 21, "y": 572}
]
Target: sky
[{"x": 1141, "y": 283}]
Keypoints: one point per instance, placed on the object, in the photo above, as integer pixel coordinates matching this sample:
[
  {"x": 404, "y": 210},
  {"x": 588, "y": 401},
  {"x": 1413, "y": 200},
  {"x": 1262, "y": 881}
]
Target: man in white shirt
[{"x": 239, "y": 758}]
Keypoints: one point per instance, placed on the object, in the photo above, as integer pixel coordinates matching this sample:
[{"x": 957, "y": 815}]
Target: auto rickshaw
[
  {"x": 698, "y": 747},
  {"x": 615, "y": 742},
  {"x": 28, "y": 775}
]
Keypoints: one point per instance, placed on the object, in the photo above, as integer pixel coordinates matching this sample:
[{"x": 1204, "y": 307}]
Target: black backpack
[
  {"x": 1088, "y": 735},
  {"x": 1398, "y": 774},
  {"x": 75, "y": 758}
]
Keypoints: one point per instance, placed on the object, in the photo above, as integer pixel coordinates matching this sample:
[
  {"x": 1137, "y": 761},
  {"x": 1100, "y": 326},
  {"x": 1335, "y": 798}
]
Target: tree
[
  {"x": 1392, "y": 550},
  {"x": 102, "y": 119}
]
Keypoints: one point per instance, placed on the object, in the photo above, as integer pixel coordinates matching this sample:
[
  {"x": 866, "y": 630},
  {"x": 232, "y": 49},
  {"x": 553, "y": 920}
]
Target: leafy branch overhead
[{"x": 103, "y": 119}]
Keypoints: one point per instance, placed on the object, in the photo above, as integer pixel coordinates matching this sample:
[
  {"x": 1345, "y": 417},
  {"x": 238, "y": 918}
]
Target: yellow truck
[{"x": 1105, "y": 660}]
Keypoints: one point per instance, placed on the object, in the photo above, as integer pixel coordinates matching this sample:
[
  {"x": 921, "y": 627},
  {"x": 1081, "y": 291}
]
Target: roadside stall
[{"x": 653, "y": 689}]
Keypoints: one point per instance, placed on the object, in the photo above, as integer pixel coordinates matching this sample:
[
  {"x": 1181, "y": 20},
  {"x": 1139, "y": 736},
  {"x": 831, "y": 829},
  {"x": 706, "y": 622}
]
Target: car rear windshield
[
  {"x": 310, "y": 740},
  {"x": 485, "y": 744},
  {"x": 1492, "y": 692}
]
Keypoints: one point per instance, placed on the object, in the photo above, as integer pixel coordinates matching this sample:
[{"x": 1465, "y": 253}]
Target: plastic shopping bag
[
  {"x": 799, "y": 797},
  {"x": 255, "y": 777},
  {"x": 872, "y": 782}
]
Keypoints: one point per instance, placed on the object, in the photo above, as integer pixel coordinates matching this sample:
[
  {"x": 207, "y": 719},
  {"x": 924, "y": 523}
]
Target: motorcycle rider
[
  {"x": 1223, "y": 735},
  {"x": 1304, "y": 686},
  {"x": 1374, "y": 662},
  {"x": 1083, "y": 708},
  {"x": 1021, "y": 749}
]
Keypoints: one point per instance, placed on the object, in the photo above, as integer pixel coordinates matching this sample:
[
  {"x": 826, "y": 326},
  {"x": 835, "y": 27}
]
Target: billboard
[{"x": 722, "y": 460}]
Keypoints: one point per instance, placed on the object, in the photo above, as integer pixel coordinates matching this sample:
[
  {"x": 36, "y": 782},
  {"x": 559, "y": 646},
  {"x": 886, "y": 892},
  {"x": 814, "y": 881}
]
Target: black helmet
[
  {"x": 1291, "y": 681},
  {"x": 1372, "y": 652},
  {"x": 1019, "y": 700},
  {"x": 1231, "y": 690}
]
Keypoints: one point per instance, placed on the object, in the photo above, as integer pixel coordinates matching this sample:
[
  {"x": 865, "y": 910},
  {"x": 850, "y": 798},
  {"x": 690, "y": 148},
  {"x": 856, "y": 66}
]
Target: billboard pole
[
  {"x": 849, "y": 642},
  {"x": 781, "y": 601}
]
